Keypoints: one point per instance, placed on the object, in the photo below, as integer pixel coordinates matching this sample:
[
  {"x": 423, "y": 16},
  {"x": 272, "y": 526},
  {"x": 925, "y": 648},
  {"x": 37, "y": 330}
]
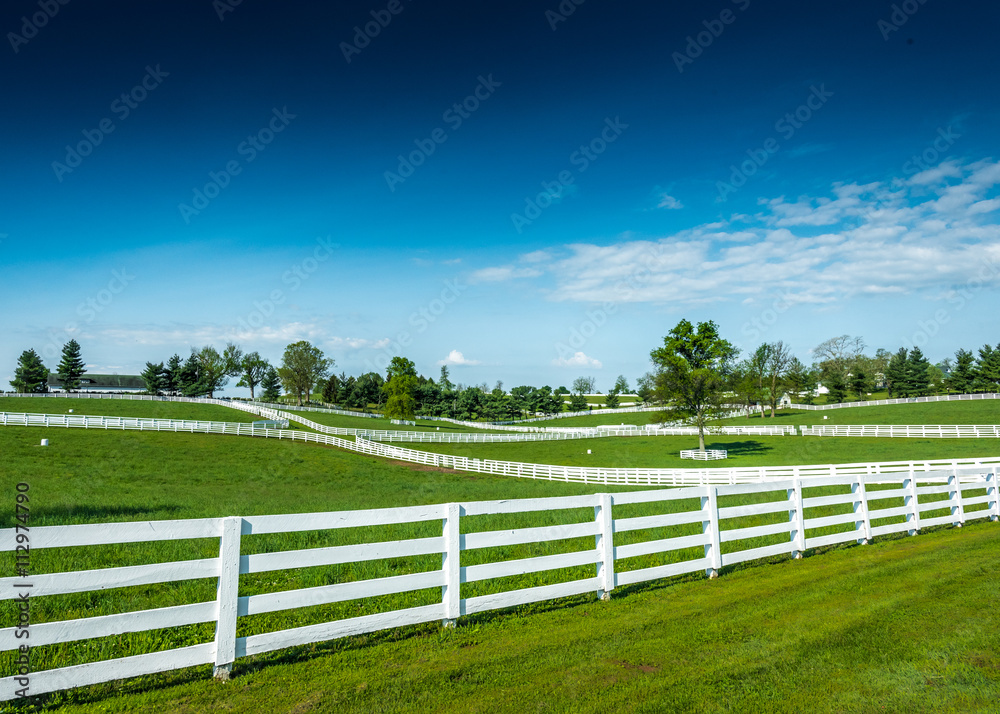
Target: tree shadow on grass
[
  {"x": 742, "y": 448},
  {"x": 68, "y": 514}
]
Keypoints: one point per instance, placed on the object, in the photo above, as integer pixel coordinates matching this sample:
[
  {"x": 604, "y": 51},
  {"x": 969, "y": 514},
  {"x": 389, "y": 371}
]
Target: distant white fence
[
  {"x": 718, "y": 525},
  {"x": 940, "y": 431},
  {"x": 910, "y": 400},
  {"x": 706, "y": 455},
  {"x": 466, "y": 438},
  {"x": 135, "y": 423}
]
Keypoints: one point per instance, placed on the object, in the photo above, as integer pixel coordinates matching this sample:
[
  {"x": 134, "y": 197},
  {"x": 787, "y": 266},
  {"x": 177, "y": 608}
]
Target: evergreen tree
[
  {"x": 191, "y": 381},
  {"x": 916, "y": 376},
  {"x": 987, "y": 377},
  {"x": 331, "y": 389},
  {"x": 71, "y": 368},
  {"x": 172, "y": 375},
  {"x": 270, "y": 386},
  {"x": 797, "y": 377},
  {"x": 809, "y": 384},
  {"x": 155, "y": 378},
  {"x": 577, "y": 403},
  {"x": 444, "y": 383},
  {"x": 962, "y": 373},
  {"x": 895, "y": 375},
  {"x": 859, "y": 384},
  {"x": 611, "y": 399},
  {"x": 30, "y": 376},
  {"x": 837, "y": 387}
]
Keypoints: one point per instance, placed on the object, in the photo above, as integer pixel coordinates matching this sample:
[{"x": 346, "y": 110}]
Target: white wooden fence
[
  {"x": 933, "y": 431},
  {"x": 719, "y": 525},
  {"x": 909, "y": 400}
]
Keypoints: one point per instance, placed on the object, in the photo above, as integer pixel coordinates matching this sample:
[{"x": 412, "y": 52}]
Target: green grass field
[
  {"x": 986, "y": 411},
  {"x": 744, "y": 451},
  {"x": 124, "y": 408},
  {"x": 865, "y": 624},
  {"x": 350, "y": 422}
]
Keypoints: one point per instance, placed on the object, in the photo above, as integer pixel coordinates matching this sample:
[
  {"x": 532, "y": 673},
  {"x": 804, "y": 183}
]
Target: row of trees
[
  {"x": 698, "y": 372},
  {"x": 31, "y": 375},
  {"x": 206, "y": 370}
]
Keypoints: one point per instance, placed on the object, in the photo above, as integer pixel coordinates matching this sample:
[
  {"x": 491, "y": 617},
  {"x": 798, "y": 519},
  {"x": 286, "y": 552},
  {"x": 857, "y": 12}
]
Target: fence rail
[
  {"x": 719, "y": 525},
  {"x": 934, "y": 431}
]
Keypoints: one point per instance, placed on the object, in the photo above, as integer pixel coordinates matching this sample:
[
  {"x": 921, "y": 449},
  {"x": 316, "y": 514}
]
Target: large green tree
[
  {"x": 30, "y": 375},
  {"x": 71, "y": 367},
  {"x": 252, "y": 368},
  {"x": 692, "y": 370},
  {"x": 302, "y": 367},
  {"x": 400, "y": 385}
]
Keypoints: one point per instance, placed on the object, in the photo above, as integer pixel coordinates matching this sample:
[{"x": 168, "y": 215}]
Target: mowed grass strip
[{"x": 903, "y": 625}]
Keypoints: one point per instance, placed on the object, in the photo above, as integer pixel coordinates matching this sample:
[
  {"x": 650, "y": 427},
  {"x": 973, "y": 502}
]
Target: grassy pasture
[
  {"x": 986, "y": 411},
  {"x": 500, "y": 659},
  {"x": 125, "y": 408},
  {"x": 352, "y": 422},
  {"x": 744, "y": 451}
]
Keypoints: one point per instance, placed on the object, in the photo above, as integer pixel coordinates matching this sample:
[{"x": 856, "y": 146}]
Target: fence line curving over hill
[{"x": 722, "y": 535}]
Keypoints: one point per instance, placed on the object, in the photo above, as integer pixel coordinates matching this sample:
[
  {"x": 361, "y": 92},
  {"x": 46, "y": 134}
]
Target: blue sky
[{"x": 525, "y": 193}]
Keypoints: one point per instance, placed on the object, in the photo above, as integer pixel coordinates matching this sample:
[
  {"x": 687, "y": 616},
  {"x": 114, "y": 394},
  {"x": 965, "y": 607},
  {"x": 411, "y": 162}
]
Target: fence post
[
  {"x": 604, "y": 542},
  {"x": 713, "y": 550},
  {"x": 862, "y": 522},
  {"x": 451, "y": 565},
  {"x": 955, "y": 496},
  {"x": 227, "y": 596},
  {"x": 913, "y": 502},
  {"x": 796, "y": 518},
  {"x": 991, "y": 485}
]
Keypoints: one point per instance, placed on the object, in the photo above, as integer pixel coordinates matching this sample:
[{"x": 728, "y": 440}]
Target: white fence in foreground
[{"x": 718, "y": 525}]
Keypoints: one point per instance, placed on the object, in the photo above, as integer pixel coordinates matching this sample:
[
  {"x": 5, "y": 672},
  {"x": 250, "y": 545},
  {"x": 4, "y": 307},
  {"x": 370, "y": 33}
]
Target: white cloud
[
  {"x": 502, "y": 273},
  {"x": 456, "y": 358},
  {"x": 579, "y": 359},
  {"x": 669, "y": 202},
  {"x": 538, "y": 256},
  {"x": 197, "y": 336},
  {"x": 875, "y": 238},
  {"x": 357, "y": 343}
]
